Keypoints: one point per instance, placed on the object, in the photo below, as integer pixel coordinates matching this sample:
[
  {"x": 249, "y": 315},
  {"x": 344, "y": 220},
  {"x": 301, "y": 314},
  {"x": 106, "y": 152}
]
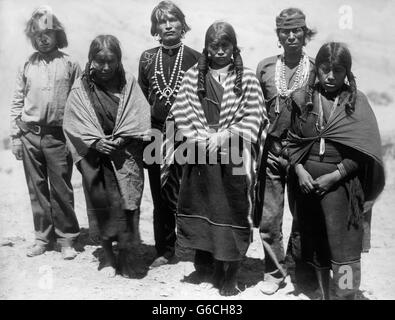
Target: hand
[
  {"x": 216, "y": 140},
  {"x": 305, "y": 179},
  {"x": 323, "y": 183},
  {"x": 17, "y": 149},
  {"x": 119, "y": 142},
  {"x": 105, "y": 146}
]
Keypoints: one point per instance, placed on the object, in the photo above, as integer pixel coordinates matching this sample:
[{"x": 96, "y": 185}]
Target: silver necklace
[
  {"x": 163, "y": 88},
  {"x": 300, "y": 75}
]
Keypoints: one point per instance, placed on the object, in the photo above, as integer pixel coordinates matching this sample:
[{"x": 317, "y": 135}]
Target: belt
[{"x": 37, "y": 129}]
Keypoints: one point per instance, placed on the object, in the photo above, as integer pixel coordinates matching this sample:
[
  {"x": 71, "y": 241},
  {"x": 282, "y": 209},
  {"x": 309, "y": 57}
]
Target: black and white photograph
[{"x": 197, "y": 150}]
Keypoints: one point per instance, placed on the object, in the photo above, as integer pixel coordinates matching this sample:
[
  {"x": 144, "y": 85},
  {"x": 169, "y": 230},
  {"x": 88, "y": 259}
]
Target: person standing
[
  {"x": 283, "y": 79},
  {"x": 335, "y": 148},
  {"x": 43, "y": 84},
  {"x": 161, "y": 70},
  {"x": 105, "y": 120},
  {"x": 220, "y": 114}
]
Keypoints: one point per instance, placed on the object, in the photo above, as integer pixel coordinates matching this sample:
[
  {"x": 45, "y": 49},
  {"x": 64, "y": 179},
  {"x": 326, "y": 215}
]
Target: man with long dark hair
[{"x": 161, "y": 70}]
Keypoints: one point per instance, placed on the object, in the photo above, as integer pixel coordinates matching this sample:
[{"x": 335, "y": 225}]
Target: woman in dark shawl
[
  {"x": 105, "y": 118},
  {"x": 335, "y": 148}
]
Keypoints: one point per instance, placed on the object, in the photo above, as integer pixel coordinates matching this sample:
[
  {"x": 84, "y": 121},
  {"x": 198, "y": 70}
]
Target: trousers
[
  {"x": 270, "y": 227},
  {"x": 277, "y": 178},
  {"x": 164, "y": 215},
  {"x": 48, "y": 168}
]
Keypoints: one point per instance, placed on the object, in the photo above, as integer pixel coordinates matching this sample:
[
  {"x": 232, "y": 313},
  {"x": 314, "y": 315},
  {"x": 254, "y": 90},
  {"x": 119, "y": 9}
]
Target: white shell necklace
[
  {"x": 301, "y": 75},
  {"x": 169, "y": 88}
]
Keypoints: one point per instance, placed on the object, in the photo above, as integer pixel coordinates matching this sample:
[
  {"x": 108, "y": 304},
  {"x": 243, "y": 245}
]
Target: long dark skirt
[
  {"x": 103, "y": 200},
  {"x": 213, "y": 211},
  {"x": 327, "y": 238}
]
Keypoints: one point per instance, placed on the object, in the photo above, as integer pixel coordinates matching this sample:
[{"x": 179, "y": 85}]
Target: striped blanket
[{"x": 243, "y": 117}]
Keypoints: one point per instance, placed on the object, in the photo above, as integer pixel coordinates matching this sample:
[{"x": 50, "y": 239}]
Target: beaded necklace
[
  {"x": 168, "y": 89},
  {"x": 301, "y": 75}
]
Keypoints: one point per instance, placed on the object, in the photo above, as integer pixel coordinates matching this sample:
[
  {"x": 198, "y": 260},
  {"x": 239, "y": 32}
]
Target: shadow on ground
[{"x": 139, "y": 255}]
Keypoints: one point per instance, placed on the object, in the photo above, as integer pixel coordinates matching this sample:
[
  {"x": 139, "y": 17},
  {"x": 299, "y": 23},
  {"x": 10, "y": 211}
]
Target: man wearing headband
[
  {"x": 43, "y": 84},
  {"x": 283, "y": 79}
]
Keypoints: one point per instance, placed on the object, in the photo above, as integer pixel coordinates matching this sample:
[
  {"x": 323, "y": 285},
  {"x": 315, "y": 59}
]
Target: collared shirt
[
  {"x": 159, "y": 109},
  {"x": 220, "y": 74},
  {"x": 42, "y": 88}
]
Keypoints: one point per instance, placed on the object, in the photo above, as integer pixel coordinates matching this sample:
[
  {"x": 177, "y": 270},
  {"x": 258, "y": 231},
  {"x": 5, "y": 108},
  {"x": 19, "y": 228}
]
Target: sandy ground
[{"x": 50, "y": 277}]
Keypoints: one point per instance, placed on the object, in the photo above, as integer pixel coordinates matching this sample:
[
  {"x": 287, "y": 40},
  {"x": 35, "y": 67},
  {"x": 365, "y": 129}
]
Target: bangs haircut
[
  {"x": 163, "y": 9},
  {"x": 217, "y": 32},
  {"x": 111, "y": 43},
  {"x": 44, "y": 19},
  {"x": 335, "y": 53},
  {"x": 220, "y": 31},
  {"x": 105, "y": 41}
]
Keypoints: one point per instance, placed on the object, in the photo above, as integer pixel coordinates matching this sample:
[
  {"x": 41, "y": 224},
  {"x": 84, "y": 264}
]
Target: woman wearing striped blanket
[{"x": 219, "y": 123}]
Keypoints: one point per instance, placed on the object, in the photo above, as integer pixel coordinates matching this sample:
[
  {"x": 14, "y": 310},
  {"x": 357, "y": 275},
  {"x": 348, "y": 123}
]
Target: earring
[
  {"x": 279, "y": 44},
  {"x": 183, "y": 34},
  {"x": 157, "y": 37}
]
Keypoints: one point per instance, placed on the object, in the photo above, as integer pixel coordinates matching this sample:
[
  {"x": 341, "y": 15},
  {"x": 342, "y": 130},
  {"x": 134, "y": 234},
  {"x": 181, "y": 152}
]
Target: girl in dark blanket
[{"x": 335, "y": 148}]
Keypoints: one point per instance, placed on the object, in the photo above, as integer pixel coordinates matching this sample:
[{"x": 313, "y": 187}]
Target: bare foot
[{"x": 229, "y": 287}]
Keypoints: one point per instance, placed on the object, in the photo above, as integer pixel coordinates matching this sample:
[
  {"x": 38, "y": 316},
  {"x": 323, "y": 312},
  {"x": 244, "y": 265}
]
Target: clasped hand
[
  {"x": 216, "y": 140},
  {"x": 319, "y": 186},
  {"x": 108, "y": 146}
]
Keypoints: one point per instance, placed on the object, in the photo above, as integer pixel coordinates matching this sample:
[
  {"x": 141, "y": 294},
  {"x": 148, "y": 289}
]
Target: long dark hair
[
  {"x": 335, "y": 53},
  {"x": 99, "y": 43},
  {"x": 220, "y": 31},
  {"x": 163, "y": 8}
]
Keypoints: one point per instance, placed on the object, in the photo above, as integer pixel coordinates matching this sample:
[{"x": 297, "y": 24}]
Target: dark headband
[{"x": 295, "y": 20}]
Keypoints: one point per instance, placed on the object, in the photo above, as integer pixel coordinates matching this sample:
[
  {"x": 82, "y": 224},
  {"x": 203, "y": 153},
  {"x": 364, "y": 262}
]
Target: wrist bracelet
[{"x": 341, "y": 169}]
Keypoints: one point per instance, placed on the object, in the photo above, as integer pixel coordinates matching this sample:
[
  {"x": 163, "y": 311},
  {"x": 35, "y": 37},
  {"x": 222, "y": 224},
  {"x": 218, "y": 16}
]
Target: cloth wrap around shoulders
[
  {"x": 113, "y": 183},
  {"x": 215, "y": 205},
  {"x": 358, "y": 131}
]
